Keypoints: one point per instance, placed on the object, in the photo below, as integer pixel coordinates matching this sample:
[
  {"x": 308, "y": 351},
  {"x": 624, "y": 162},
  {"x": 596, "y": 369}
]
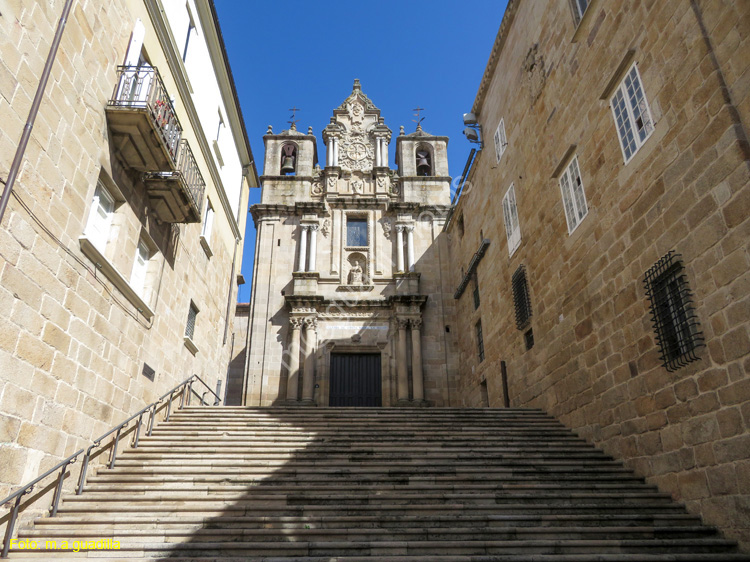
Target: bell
[
  {"x": 423, "y": 164},
  {"x": 287, "y": 165}
]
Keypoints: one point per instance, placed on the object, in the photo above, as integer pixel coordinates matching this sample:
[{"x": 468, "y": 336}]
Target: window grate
[
  {"x": 521, "y": 298},
  {"x": 480, "y": 341},
  {"x": 677, "y": 329},
  {"x": 528, "y": 339},
  {"x": 476, "y": 292},
  {"x": 190, "y": 327}
]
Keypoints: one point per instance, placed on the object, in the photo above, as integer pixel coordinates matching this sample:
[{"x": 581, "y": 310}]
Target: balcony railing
[
  {"x": 177, "y": 196},
  {"x": 140, "y": 92}
]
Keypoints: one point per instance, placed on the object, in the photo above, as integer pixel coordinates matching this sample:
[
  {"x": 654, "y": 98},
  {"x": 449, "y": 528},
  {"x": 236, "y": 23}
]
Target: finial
[
  {"x": 357, "y": 87},
  {"x": 293, "y": 121},
  {"x": 418, "y": 119},
  {"x": 401, "y": 130},
  {"x": 270, "y": 130},
  {"x": 309, "y": 130}
]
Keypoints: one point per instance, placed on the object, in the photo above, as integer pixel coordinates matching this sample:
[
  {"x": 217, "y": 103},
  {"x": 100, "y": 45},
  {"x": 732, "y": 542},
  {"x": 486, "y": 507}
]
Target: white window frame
[
  {"x": 629, "y": 108},
  {"x": 573, "y": 195},
  {"x": 510, "y": 217},
  {"x": 578, "y": 11},
  {"x": 99, "y": 223},
  {"x": 501, "y": 141},
  {"x": 208, "y": 227},
  {"x": 140, "y": 268}
]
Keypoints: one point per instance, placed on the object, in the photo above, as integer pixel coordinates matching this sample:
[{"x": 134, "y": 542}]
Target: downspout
[{"x": 21, "y": 150}]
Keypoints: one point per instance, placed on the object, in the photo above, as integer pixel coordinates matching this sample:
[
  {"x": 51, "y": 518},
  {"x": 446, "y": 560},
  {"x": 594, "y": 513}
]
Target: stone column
[
  {"x": 292, "y": 383},
  {"x": 313, "y": 247},
  {"x": 417, "y": 376},
  {"x": 308, "y": 380},
  {"x": 329, "y": 152},
  {"x": 384, "y": 153},
  {"x": 335, "y": 151},
  {"x": 302, "y": 248},
  {"x": 402, "y": 372},
  {"x": 410, "y": 246},
  {"x": 400, "y": 247},
  {"x": 378, "y": 157}
]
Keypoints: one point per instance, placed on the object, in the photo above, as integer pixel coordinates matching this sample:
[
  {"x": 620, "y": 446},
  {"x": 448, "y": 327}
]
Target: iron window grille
[
  {"x": 528, "y": 339},
  {"x": 677, "y": 329},
  {"x": 480, "y": 341},
  {"x": 476, "y": 292},
  {"x": 521, "y": 299},
  {"x": 190, "y": 327}
]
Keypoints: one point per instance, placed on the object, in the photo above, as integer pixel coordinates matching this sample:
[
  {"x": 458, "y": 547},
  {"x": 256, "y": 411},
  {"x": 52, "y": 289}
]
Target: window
[
  {"x": 356, "y": 232},
  {"x": 461, "y": 225},
  {"x": 521, "y": 299},
  {"x": 190, "y": 30},
  {"x": 423, "y": 161},
  {"x": 579, "y": 8},
  {"x": 480, "y": 341},
  {"x": 677, "y": 330},
  {"x": 288, "y": 159},
  {"x": 100, "y": 217},
  {"x": 528, "y": 339},
  {"x": 500, "y": 140},
  {"x": 510, "y": 215},
  {"x": 192, "y": 316},
  {"x": 476, "y": 292},
  {"x": 140, "y": 268},
  {"x": 632, "y": 114},
  {"x": 574, "y": 199}
]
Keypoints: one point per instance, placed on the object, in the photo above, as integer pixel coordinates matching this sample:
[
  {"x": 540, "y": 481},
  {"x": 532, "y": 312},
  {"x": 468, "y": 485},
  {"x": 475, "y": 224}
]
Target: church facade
[{"x": 350, "y": 289}]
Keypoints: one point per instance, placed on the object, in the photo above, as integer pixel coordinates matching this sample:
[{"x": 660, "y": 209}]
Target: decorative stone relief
[
  {"x": 357, "y": 273},
  {"x": 325, "y": 228},
  {"x": 295, "y": 323},
  {"x": 387, "y": 227},
  {"x": 357, "y": 186}
]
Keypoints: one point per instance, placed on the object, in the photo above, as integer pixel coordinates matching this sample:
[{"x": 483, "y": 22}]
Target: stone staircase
[{"x": 397, "y": 485}]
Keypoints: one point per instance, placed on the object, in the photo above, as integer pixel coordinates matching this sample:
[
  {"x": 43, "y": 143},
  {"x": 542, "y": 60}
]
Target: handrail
[{"x": 183, "y": 390}]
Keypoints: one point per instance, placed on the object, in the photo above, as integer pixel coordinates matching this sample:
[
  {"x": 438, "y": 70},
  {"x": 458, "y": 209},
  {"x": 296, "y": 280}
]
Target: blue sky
[{"x": 307, "y": 54}]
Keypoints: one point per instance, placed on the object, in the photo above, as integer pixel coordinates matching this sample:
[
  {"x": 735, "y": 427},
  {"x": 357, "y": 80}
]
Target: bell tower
[
  {"x": 422, "y": 161},
  {"x": 289, "y": 165}
]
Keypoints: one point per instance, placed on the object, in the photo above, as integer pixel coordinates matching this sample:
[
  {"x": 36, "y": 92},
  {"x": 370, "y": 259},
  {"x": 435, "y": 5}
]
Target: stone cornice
[{"x": 497, "y": 47}]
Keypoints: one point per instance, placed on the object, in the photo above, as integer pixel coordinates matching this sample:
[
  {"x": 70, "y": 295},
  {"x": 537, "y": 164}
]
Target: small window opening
[
  {"x": 528, "y": 339},
  {"x": 424, "y": 162},
  {"x": 288, "y": 159},
  {"x": 480, "y": 340},
  {"x": 521, "y": 299}
]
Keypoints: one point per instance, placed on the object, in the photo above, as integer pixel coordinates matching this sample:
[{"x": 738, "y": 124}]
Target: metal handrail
[{"x": 183, "y": 390}]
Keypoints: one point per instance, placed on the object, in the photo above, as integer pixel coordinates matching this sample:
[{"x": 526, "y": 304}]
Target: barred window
[
  {"x": 574, "y": 198},
  {"x": 192, "y": 316},
  {"x": 500, "y": 140},
  {"x": 521, "y": 299},
  {"x": 480, "y": 341},
  {"x": 476, "y": 292},
  {"x": 510, "y": 216},
  {"x": 632, "y": 114},
  {"x": 677, "y": 329}
]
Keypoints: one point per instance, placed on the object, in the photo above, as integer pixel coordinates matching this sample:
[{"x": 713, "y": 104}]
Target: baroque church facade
[{"x": 356, "y": 314}]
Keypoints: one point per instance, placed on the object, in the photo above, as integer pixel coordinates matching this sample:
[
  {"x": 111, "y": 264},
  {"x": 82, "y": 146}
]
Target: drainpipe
[{"x": 20, "y": 151}]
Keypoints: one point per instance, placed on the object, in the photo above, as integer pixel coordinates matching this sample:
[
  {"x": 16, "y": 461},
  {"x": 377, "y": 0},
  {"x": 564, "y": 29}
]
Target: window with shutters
[
  {"x": 631, "y": 113},
  {"x": 678, "y": 333},
  {"x": 521, "y": 299},
  {"x": 500, "y": 140},
  {"x": 100, "y": 217},
  {"x": 510, "y": 216},
  {"x": 573, "y": 196}
]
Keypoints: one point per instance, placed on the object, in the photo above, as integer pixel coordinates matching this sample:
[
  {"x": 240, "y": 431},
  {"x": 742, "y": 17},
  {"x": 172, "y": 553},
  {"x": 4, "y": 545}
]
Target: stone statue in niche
[{"x": 355, "y": 274}]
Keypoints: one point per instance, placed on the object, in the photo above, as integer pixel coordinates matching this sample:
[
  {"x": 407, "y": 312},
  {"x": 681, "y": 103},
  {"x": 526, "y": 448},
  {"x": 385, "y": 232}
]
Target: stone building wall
[
  {"x": 595, "y": 361},
  {"x": 73, "y": 345}
]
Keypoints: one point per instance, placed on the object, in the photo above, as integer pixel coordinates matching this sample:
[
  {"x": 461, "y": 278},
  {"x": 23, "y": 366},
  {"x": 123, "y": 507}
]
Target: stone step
[
  {"x": 138, "y": 520},
  {"x": 403, "y": 548},
  {"x": 310, "y": 533}
]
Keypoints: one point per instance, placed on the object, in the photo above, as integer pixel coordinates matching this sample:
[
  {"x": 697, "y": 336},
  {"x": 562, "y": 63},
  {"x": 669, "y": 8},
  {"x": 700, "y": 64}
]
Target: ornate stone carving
[
  {"x": 381, "y": 183},
  {"x": 295, "y": 323},
  {"x": 325, "y": 227},
  {"x": 387, "y": 227},
  {"x": 311, "y": 323},
  {"x": 416, "y": 323},
  {"x": 403, "y": 323},
  {"x": 332, "y": 182},
  {"x": 356, "y": 153},
  {"x": 357, "y": 185}
]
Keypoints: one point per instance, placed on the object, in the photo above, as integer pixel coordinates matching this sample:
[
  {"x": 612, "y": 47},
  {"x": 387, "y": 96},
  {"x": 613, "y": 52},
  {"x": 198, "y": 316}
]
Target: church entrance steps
[{"x": 348, "y": 485}]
